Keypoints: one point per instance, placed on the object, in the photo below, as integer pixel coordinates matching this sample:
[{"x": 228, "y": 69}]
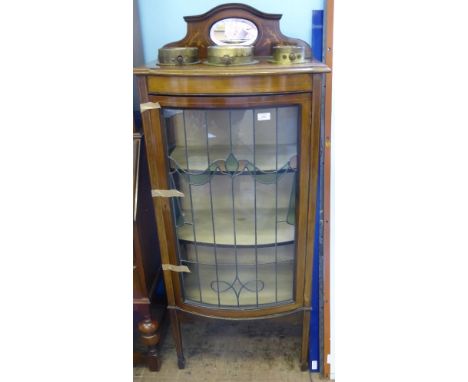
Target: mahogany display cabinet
[{"x": 233, "y": 153}]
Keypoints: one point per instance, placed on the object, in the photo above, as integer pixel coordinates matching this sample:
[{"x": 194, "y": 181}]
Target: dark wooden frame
[{"x": 202, "y": 86}]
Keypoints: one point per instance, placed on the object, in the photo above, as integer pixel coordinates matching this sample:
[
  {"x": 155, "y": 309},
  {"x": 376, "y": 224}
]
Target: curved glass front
[{"x": 236, "y": 224}]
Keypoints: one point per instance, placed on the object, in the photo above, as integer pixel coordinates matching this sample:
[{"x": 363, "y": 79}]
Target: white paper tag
[
  {"x": 175, "y": 268},
  {"x": 263, "y": 116},
  {"x": 314, "y": 365},
  {"x": 149, "y": 106},
  {"x": 166, "y": 193}
]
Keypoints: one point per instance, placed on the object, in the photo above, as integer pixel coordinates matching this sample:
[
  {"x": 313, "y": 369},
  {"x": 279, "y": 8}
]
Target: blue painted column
[{"x": 314, "y": 337}]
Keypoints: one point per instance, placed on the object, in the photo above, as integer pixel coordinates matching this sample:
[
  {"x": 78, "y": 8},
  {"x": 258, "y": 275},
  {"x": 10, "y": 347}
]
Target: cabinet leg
[
  {"x": 176, "y": 333},
  {"x": 150, "y": 338},
  {"x": 305, "y": 341},
  {"x": 154, "y": 362}
]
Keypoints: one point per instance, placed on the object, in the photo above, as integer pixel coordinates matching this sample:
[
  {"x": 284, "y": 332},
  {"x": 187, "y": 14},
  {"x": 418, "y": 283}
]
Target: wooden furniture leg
[
  {"x": 305, "y": 341},
  {"x": 176, "y": 333},
  {"x": 150, "y": 338}
]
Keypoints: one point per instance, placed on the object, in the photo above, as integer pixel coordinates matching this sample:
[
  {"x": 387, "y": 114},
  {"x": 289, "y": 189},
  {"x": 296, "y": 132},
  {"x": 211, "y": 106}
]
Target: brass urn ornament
[
  {"x": 288, "y": 54},
  {"x": 224, "y": 55},
  {"x": 178, "y": 56}
]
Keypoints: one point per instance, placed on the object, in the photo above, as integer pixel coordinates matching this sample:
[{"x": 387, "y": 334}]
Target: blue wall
[{"x": 162, "y": 21}]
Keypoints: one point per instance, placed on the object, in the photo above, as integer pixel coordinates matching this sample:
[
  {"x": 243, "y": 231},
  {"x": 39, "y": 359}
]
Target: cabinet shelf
[
  {"x": 210, "y": 255},
  {"x": 244, "y": 228},
  {"x": 264, "y": 155},
  {"x": 201, "y": 264}
]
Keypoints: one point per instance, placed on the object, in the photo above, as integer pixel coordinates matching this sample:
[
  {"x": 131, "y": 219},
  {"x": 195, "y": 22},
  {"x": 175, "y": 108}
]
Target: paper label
[
  {"x": 149, "y": 106},
  {"x": 175, "y": 268},
  {"x": 263, "y": 116},
  {"x": 166, "y": 193}
]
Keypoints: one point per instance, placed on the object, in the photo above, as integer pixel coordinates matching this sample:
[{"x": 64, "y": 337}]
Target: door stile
[
  {"x": 301, "y": 208},
  {"x": 314, "y": 162}
]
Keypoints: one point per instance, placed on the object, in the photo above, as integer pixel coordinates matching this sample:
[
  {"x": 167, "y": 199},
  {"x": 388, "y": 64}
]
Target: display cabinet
[{"x": 233, "y": 150}]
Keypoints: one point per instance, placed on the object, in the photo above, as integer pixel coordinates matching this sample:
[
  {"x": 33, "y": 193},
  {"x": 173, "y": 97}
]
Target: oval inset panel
[{"x": 233, "y": 31}]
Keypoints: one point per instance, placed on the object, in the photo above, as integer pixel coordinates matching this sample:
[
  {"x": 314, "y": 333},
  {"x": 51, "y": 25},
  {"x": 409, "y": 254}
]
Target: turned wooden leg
[
  {"x": 305, "y": 341},
  {"x": 150, "y": 338},
  {"x": 176, "y": 333}
]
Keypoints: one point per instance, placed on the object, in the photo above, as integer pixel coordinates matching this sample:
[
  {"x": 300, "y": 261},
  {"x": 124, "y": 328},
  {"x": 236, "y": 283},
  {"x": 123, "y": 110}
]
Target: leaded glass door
[{"x": 236, "y": 224}]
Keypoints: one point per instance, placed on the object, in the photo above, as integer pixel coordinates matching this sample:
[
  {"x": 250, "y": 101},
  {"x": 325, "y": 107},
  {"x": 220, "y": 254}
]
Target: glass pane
[{"x": 236, "y": 223}]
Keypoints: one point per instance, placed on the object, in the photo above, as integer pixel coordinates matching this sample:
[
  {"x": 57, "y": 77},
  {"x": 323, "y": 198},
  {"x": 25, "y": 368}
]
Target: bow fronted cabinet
[{"x": 232, "y": 132}]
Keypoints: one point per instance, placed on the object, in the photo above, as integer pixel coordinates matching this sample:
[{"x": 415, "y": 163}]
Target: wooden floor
[{"x": 232, "y": 351}]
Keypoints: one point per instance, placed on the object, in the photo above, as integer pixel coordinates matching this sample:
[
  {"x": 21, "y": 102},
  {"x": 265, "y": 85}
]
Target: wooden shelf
[
  {"x": 266, "y": 273},
  {"x": 265, "y": 158},
  {"x": 245, "y": 256},
  {"x": 264, "y": 68},
  {"x": 244, "y": 227}
]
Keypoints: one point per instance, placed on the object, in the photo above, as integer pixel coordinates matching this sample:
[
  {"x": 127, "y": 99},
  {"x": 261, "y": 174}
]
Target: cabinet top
[
  {"x": 234, "y": 26},
  {"x": 263, "y": 67}
]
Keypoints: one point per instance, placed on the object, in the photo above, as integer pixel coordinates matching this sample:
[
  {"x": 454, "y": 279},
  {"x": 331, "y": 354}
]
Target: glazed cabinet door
[{"x": 238, "y": 163}]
